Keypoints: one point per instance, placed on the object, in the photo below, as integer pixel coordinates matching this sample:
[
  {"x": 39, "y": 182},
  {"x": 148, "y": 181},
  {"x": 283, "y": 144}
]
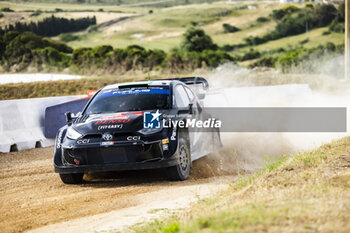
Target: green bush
[
  {"x": 1, "y": 15},
  {"x": 51, "y": 57},
  {"x": 20, "y": 49},
  {"x": 326, "y": 14},
  {"x": 288, "y": 60},
  {"x": 67, "y": 37},
  {"x": 6, "y": 9},
  {"x": 35, "y": 13},
  {"x": 337, "y": 24},
  {"x": 251, "y": 54},
  {"x": 178, "y": 61},
  {"x": 287, "y": 10},
  {"x": 229, "y": 28},
  {"x": 337, "y": 27},
  {"x": 266, "y": 61},
  {"x": 262, "y": 19},
  {"x": 195, "y": 39}
]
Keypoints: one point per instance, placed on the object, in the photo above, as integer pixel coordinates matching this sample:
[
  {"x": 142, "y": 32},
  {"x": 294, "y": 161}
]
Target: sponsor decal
[
  {"x": 165, "y": 146},
  {"x": 120, "y": 115},
  {"x": 76, "y": 161},
  {"x": 173, "y": 134},
  {"x": 91, "y": 93},
  {"x": 107, "y": 136},
  {"x": 133, "y": 138},
  {"x": 115, "y": 121},
  {"x": 101, "y": 127},
  {"x": 151, "y": 120},
  {"x": 165, "y": 141},
  {"x": 135, "y": 91},
  {"x": 106, "y": 143},
  {"x": 83, "y": 141},
  {"x": 141, "y": 91}
]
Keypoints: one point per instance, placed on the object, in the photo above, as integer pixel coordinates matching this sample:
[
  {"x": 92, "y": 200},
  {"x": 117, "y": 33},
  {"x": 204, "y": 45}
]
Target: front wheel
[
  {"x": 73, "y": 178},
  {"x": 182, "y": 170}
]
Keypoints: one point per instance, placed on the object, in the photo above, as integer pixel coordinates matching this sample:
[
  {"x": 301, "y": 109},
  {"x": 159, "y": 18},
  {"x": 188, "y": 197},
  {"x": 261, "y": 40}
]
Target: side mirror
[
  {"x": 190, "y": 108},
  {"x": 68, "y": 117}
]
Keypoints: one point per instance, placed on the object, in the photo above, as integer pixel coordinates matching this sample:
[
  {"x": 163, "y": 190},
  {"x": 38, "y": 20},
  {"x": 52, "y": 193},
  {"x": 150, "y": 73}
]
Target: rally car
[{"x": 138, "y": 125}]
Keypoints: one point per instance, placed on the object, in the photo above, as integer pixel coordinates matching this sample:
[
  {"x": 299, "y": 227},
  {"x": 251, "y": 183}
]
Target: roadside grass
[
  {"x": 59, "y": 88},
  {"x": 72, "y": 87},
  {"x": 81, "y": 86},
  {"x": 309, "y": 191}
]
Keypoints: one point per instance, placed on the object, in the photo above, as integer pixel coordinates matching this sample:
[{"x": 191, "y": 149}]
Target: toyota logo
[{"x": 107, "y": 136}]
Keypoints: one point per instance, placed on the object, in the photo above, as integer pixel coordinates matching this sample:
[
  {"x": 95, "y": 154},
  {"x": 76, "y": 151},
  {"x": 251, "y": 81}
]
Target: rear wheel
[
  {"x": 182, "y": 170},
  {"x": 73, "y": 178}
]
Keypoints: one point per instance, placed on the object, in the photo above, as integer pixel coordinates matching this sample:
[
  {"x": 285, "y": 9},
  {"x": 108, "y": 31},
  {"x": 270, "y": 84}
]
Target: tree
[
  {"x": 195, "y": 39},
  {"x": 326, "y": 13}
]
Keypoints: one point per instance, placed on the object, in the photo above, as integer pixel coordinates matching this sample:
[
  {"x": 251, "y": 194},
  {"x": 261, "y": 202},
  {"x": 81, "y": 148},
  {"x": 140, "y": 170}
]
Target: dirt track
[{"x": 33, "y": 196}]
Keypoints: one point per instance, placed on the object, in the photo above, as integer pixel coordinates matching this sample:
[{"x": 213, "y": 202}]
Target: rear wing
[{"x": 193, "y": 81}]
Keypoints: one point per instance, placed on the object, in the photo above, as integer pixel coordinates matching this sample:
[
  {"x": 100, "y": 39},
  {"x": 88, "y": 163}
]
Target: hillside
[
  {"x": 133, "y": 40},
  {"x": 162, "y": 28},
  {"x": 307, "y": 192}
]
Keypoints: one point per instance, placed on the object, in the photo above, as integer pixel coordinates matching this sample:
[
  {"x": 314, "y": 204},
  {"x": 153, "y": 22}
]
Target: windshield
[{"x": 124, "y": 100}]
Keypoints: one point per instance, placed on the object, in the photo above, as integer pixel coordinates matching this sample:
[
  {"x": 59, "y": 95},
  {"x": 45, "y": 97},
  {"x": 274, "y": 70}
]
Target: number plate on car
[{"x": 106, "y": 143}]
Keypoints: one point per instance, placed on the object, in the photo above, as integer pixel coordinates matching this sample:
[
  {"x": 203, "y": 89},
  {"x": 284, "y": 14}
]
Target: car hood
[{"x": 111, "y": 122}]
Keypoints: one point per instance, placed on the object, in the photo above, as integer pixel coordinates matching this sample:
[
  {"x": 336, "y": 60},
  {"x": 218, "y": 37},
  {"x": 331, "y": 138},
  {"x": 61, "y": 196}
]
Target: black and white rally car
[{"x": 138, "y": 125}]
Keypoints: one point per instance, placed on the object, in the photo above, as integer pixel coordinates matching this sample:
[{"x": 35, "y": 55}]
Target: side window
[
  {"x": 190, "y": 94},
  {"x": 181, "y": 97},
  {"x": 193, "y": 98}
]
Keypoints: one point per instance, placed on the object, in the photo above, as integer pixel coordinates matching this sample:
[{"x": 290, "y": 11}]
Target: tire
[
  {"x": 74, "y": 178},
  {"x": 182, "y": 170}
]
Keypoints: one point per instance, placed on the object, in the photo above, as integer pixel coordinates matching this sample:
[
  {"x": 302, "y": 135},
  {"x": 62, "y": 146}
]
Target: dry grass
[{"x": 309, "y": 192}]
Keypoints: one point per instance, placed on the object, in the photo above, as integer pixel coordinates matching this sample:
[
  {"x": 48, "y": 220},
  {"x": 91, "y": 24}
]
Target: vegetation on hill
[
  {"x": 51, "y": 26},
  {"x": 293, "y": 21},
  {"x": 198, "y": 44},
  {"x": 23, "y": 50},
  {"x": 307, "y": 192}
]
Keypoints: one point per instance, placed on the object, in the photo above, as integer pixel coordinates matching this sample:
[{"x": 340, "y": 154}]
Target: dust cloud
[{"x": 234, "y": 86}]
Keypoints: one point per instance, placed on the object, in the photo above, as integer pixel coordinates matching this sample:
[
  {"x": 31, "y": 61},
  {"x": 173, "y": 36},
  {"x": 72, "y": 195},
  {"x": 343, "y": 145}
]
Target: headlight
[
  {"x": 73, "y": 134},
  {"x": 149, "y": 131}
]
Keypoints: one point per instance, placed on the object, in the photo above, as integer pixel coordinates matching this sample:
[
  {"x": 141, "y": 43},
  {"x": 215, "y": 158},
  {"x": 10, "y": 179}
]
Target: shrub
[
  {"x": 280, "y": 13},
  {"x": 288, "y": 60},
  {"x": 304, "y": 41},
  {"x": 337, "y": 27},
  {"x": 251, "y": 54},
  {"x": 20, "y": 49},
  {"x": 229, "y": 28},
  {"x": 184, "y": 60},
  {"x": 1, "y": 15},
  {"x": 326, "y": 13},
  {"x": 67, "y": 37},
  {"x": 51, "y": 57},
  {"x": 35, "y": 13},
  {"x": 266, "y": 61},
  {"x": 195, "y": 39},
  {"x": 262, "y": 19},
  {"x": 6, "y": 9}
]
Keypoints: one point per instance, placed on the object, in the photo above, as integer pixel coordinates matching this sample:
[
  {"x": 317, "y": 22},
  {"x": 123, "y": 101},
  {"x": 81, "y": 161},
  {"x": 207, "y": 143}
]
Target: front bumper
[
  {"x": 115, "y": 167},
  {"x": 116, "y": 157}
]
